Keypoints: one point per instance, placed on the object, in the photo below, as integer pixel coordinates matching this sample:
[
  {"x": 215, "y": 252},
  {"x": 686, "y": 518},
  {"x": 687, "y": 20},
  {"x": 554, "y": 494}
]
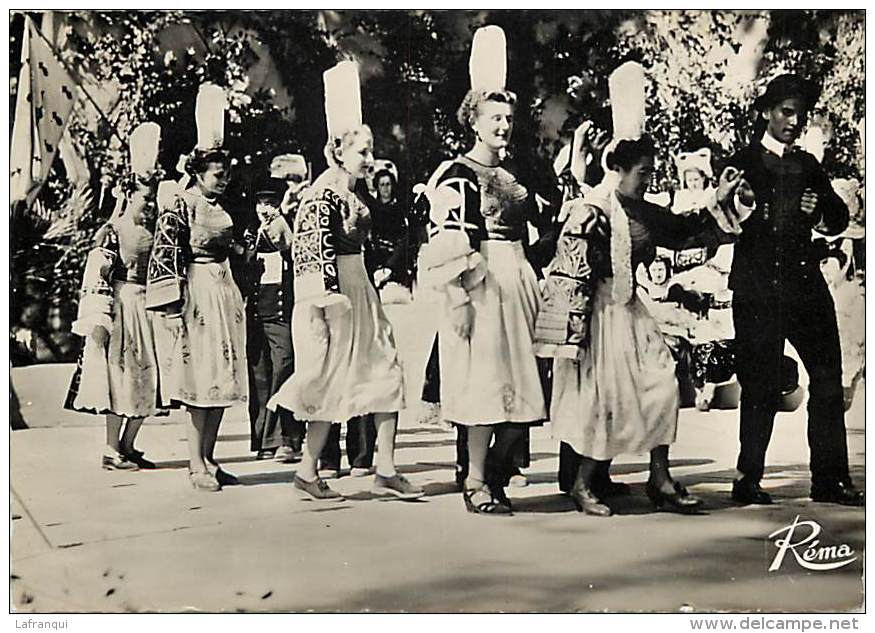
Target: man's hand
[
  {"x": 745, "y": 193},
  {"x": 809, "y": 202},
  {"x": 729, "y": 181}
]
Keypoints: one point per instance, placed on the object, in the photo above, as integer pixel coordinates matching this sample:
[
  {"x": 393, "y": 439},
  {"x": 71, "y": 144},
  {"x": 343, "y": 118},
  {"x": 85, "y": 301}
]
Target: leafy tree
[{"x": 415, "y": 74}]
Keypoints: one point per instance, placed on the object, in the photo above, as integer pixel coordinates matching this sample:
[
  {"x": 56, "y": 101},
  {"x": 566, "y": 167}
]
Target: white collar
[{"x": 774, "y": 145}]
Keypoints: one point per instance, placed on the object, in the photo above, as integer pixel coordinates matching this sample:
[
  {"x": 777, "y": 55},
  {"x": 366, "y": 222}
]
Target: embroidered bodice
[
  {"x": 134, "y": 249},
  {"x": 211, "y": 229},
  {"x": 504, "y": 202}
]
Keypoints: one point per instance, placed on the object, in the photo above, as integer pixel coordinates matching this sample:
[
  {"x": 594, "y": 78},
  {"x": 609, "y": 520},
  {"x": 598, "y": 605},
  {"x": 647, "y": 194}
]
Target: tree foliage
[{"x": 415, "y": 74}]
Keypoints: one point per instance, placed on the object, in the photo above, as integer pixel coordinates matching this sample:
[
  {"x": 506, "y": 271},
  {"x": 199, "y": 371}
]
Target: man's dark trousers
[
  {"x": 271, "y": 362},
  {"x": 361, "y": 437},
  {"x": 805, "y": 316}
]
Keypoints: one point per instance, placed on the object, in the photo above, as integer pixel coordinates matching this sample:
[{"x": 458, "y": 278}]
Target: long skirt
[
  {"x": 203, "y": 362},
  {"x": 358, "y": 372},
  {"x": 492, "y": 376},
  {"x": 622, "y": 396},
  {"x": 121, "y": 378}
]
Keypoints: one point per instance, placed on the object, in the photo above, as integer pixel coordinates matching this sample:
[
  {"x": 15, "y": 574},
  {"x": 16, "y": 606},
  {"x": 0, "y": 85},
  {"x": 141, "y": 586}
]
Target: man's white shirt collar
[{"x": 774, "y": 145}]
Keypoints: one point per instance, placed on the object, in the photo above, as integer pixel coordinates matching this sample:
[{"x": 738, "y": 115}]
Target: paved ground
[{"x": 89, "y": 540}]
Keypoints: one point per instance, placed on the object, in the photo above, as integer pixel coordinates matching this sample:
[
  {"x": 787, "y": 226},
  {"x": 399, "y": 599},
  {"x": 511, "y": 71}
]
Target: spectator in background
[
  {"x": 60, "y": 335},
  {"x": 387, "y": 252},
  {"x": 850, "y": 304},
  {"x": 274, "y": 434},
  {"x": 29, "y": 342}
]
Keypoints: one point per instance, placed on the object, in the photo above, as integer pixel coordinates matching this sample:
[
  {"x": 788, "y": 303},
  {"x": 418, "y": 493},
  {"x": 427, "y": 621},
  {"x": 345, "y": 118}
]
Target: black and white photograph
[{"x": 437, "y": 311}]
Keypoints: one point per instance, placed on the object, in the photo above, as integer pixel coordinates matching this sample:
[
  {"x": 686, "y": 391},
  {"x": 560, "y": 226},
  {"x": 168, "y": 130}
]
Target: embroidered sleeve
[
  {"x": 450, "y": 259},
  {"x": 562, "y": 326},
  {"x": 96, "y": 295},
  {"x": 315, "y": 258},
  {"x": 168, "y": 264}
]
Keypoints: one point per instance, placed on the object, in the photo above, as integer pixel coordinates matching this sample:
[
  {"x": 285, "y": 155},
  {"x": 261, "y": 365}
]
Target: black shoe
[
  {"x": 679, "y": 499},
  {"x": 500, "y": 495},
  {"x": 843, "y": 493},
  {"x": 585, "y": 501},
  {"x": 746, "y": 491},
  {"x": 222, "y": 476},
  {"x": 482, "y": 501},
  {"x": 137, "y": 457}
]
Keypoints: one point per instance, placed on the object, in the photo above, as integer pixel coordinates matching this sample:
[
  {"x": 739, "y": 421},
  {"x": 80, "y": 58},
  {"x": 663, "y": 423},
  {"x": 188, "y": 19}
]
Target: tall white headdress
[
  {"x": 209, "y": 114},
  {"x": 143, "y": 144},
  {"x": 626, "y": 87},
  {"x": 343, "y": 98},
  {"x": 488, "y": 63}
]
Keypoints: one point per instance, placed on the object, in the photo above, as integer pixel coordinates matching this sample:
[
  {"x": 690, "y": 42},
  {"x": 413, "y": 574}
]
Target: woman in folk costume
[
  {"x": 614, "y": 385},
  {"x": 489, "y": 380},
  {"x": 203, "y": 363},
  {"x": 118, "y": 370},
  {"x": 346, "y": 363}
]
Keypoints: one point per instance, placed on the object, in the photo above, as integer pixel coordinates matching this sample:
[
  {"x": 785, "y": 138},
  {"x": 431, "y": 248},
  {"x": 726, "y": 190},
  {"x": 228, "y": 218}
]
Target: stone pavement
[{"x": 89, "y": 540}]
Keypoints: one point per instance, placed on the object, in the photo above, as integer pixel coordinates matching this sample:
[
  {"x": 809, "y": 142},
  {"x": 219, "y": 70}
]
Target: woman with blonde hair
[
  {"x": 346, "y": 362},
  {"x": 490, "y": 386}
]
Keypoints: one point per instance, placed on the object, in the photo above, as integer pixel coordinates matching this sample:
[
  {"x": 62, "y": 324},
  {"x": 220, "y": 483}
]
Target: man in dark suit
[{"x": 780, "y": 294}]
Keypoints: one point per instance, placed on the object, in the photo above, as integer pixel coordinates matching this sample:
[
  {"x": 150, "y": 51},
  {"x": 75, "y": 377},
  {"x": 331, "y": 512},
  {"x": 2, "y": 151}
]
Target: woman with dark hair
[
  {"x": 346, "y": 362},
  {"x": 204, "y": 365},
  {"x": 614, "y": 385},
  {"x": 489, "y": 380},
  {"x": 388, "y": 246},
  {"x": 117, "y": 374}
]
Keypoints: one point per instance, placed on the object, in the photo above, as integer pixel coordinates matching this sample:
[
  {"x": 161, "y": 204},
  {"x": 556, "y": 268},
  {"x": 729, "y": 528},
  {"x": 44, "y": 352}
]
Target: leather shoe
[
  {"x": 585, "y": 501},
  {"x": 745, "y": 491},
  {"x": 841, "y": 492}
]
